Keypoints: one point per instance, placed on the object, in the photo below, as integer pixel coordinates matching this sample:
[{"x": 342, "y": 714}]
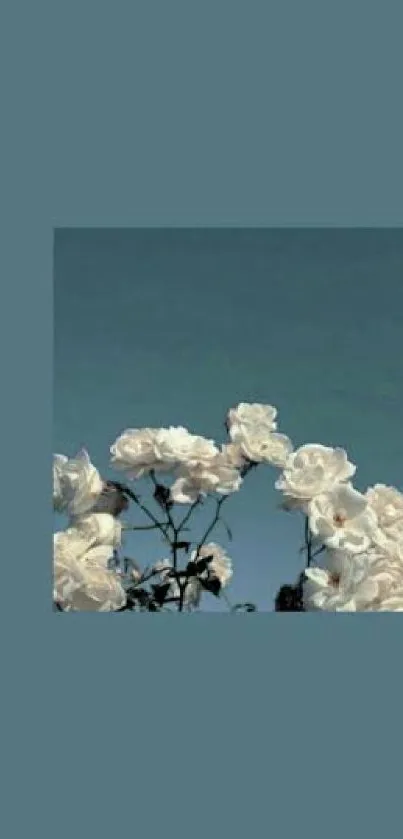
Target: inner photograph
[{"x": 228, "y": 410}]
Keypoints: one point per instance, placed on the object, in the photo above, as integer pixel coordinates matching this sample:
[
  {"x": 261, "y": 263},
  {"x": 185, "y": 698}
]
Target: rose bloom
[
  {"x": 176, "y": 445},
  {"x": 343, "y": 585},
  {"x": 342, "y": 519},
  {"x": 387, "y": 503},
  {"x": 259, "y": 445},
  {"x": 59, "y": 462},
  {"x": 217, "y": 476},
  {"x": 233, "y": 455},
  {"x": 220, "y": 565},
  {"x": 392, "y": 603},
  {"x": 140, "y": 451},
  {"x": 95, "y": 529},
  {"x": 252, "y": 415},
  {"x": 77, "y": 484},
  {"x": 134, "y": 452},
  {"x": 352, "y": 583},
  {"x": 82, "y": 580},
  {"x": 312, "y": 470}
]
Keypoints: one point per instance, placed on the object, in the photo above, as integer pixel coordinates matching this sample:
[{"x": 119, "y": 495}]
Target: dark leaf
[
  {"x": 160, "y": 592},
  {"x": 191, "y": 569},
  {"x": 289, "y": 598},
  {"x": 213, "y": 585},
  {"x": 138, "y": 595},
  {"x": 163, "y": 497},
  {"x": 203, "y": 563},
  {"x": 182, "y": 546}
]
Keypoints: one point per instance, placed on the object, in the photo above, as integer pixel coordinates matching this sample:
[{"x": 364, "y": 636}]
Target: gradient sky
[{"x": 173, "y": 327}]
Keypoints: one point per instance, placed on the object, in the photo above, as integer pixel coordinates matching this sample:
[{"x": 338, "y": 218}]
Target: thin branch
[
  {"x": 143, "y": 526},
  {"x": 188, "y": 514},
  {"x": 211, "y": 527},
  {"x": 147, "y": 512},
  {"x": 308, "y": 543}
]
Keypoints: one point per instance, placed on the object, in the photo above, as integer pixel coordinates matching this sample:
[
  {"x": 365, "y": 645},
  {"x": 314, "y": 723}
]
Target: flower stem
[{"x": 308, "y": 543}]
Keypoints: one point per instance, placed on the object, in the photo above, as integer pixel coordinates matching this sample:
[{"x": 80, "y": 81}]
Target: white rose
[
  {"x": 345, "y": 584},
  {"x": 68, "y": 575},
  {"x": 217, "y": 476},
  {"x": 232, "y": 454},
  {"x": 392, "y": 603},
  {"x": 68, "y": 543},
  {"x": 323, "y": 592},
  {"x": 259, "y": 445},
  {"x": 354, "y": 583},
  {"x": 84, "y": 583},
  {"x": 342, "y": 519},
  {"x": 96, "y": 529},
  {"x": 76, "y": 483},
  {"x": 134, "y": 452},
  {"x": 220, "y": 566},
  {"x": 184, "y": 491},
  {"x": 59, "y": 461},
  {"x": 252, "y": 414},
  {"x": 312, "y": 470},
  {"x": 387, "y": 503},
  {"x": 102, "y": 592},
  {"x": 175, "y": 445}
]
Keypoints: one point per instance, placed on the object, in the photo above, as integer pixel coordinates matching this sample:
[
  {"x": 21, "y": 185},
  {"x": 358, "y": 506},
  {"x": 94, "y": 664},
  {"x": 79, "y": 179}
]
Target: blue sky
[{"x": 173, "y": 327}]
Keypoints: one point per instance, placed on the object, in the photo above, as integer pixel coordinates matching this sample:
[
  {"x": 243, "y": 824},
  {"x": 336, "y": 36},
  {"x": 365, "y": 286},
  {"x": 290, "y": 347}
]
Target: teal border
[{"x": 183, "y": 114}]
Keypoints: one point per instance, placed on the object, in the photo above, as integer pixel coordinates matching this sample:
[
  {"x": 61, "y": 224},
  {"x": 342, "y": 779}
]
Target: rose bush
[{"x": 353, "y": 541}]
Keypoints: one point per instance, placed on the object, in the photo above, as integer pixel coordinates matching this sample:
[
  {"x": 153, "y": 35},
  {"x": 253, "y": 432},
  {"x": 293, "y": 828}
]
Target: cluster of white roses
[
  {"x": 82, "y": 579},
  {"x": 358, "y": 537}
]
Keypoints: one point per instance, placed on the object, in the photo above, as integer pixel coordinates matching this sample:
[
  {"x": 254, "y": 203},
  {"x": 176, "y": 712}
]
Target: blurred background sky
[{"x": 173, "y": 327}]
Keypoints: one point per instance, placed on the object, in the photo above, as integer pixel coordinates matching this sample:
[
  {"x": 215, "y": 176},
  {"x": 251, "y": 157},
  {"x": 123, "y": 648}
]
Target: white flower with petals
[
  {"x": 392, "y": 603},
  {"x": 134, "y": 452},
  {"x": 387, "y": 503},
  {"x": 218, "y": 475},
  {"x": 176, "y": 446},
  {"x": 342, "y": 519},
  {"x": 312, "y": 470},
  {"x": 82, "y": 580},
  {"x": 77, "y": 484},
  {"x": 360, "y": 582},
  {"x": 59, "y": 462},
  {"x": 345, "y": 583},
  {"x": 141, "y": 451},
  {"x": 253, "y": 415},
  {"x": 220, "y": 565},
  {"x": 233, "y": 455},
  {"x": 259, "y": 445},
  {"x": 96, "y": 529}
]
